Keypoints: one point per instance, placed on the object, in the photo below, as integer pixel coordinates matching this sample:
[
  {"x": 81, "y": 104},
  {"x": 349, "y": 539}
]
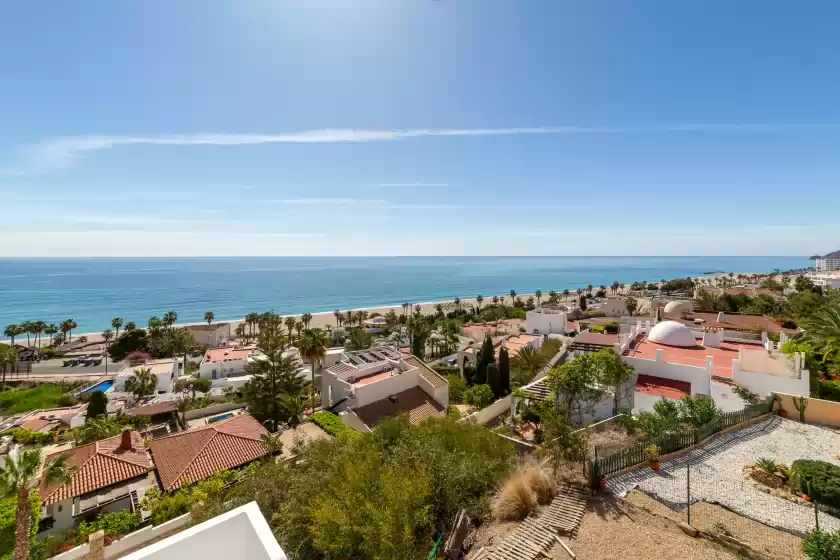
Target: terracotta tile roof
[
  {"x": 151, "y": 409},
  {"x": 662, "y": 386},
  {"x": 36, "y": 424},
  {"x": 203, "y": 451},
  {"x": 514, "y": 344},
  {"x": 427, "y": 373},
  {"x": 595, "y": 339},
  {"x": 415, "y": 402},
  {"x": 98, "y": 465},
  {"x": 695, "y": 356}
]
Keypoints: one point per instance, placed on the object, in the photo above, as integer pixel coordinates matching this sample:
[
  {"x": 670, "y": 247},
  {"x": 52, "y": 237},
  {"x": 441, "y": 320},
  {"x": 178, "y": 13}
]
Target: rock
[{"x": 688, "y": 529}]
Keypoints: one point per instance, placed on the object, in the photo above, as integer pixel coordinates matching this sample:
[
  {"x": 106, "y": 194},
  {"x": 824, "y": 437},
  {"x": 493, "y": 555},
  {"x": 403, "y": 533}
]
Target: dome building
[
  {"x": 672, "y": 333},
  {"x": 678, "y": 308}
]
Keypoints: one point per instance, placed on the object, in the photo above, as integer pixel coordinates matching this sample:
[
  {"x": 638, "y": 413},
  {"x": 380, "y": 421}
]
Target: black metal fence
[{"x": 669, "y": 443}]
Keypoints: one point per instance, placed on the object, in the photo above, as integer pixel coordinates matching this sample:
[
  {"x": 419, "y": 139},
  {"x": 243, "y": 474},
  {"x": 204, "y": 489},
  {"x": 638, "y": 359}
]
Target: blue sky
[{"x": 419, "y": 127}]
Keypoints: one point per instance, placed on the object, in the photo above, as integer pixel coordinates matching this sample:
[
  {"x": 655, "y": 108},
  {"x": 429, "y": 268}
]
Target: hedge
[
  {"x": 828, "y": 389},
  {"x": 818, "y": 479},
  {"x": 332, "y": 424}
]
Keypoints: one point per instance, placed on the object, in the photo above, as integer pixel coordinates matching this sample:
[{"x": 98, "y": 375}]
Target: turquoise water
[
  {"x": 103, "y": 386},
  {"x": 219, "y": 418},
  {"x": 92, "y": 291}
]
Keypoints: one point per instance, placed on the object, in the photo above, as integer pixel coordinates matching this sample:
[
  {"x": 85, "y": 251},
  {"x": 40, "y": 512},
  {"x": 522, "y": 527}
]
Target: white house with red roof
[{"x": 109, "y": 475}]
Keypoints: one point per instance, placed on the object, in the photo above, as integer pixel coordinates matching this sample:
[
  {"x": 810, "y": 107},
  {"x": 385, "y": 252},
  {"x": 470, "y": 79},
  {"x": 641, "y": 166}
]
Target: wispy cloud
[
  {"x": 409, "y": 185},
  {"x": 61, "y": 152},
  {"x": 317, "y": 201}
]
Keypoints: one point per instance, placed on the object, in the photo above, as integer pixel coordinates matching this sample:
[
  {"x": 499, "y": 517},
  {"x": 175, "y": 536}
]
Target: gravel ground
[
  {"x": 717, "y": 473},
  {"x": 621, "y": 529}
]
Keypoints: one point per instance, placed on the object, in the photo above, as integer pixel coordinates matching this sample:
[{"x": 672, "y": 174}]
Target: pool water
[
  {"x": 222, "y": 417},
  {"x": 101, "y": 386}
]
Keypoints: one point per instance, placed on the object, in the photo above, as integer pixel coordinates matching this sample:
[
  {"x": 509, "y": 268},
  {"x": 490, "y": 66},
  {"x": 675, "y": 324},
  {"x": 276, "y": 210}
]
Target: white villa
[
  {"x": 227, "y": 366},
  {"x": 368, "y": 386},
  {"x": 166, "y": 371},
  {"x": 670, "y": 361},
  {"x": 546, "y": 320}
]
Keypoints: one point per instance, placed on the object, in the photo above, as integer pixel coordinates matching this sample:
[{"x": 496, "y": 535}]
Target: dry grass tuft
[
  {"x": 540, "y": 482},
  {"x": 515, "y": 500}
]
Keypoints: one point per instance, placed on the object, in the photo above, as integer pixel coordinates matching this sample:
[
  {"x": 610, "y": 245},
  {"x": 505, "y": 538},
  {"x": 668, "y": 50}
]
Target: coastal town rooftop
[
  {"x": 214, "y": 355},
  {"x": 695, "y": 356},
  {"x": 729, "y": 321}
]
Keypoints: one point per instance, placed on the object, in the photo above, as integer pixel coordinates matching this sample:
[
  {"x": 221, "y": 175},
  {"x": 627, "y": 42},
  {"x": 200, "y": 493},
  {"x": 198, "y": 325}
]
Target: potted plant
[
  {"x": 652, "y": 454},
  {"x": 782, "y": 412}
]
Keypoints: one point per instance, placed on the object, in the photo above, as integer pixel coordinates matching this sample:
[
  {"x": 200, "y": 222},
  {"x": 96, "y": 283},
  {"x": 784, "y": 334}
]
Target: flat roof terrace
[{"x": 695, "y": 356}]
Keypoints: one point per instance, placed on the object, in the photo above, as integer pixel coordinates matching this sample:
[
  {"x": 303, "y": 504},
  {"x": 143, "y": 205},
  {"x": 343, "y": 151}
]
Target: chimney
[
  {"x": 125, "y": 440},
  {"x": 720, "y": 317}
]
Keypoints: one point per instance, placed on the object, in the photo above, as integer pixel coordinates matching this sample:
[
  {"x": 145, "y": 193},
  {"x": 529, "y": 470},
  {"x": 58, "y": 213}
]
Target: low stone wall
[{"x": 817, "y": 411}]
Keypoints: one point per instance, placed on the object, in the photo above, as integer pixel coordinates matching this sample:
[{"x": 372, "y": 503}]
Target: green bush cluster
[
  {"x": 818, "y": 479},
  {"x": 332, "y": 424},
  {"x": 821, "y": 545},
  {"x": 27, "y": 437},
  {"x": 828, "y": 389},
  {"x": 8, "y": 507},
  {"x": 115, "y": 524},
  {"x": 16, "y": 401},
  {"x": 386, "y": 494}
]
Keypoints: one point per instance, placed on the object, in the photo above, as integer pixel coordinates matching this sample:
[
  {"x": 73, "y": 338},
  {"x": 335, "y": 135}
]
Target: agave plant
[{"x": 767, "y": 465}]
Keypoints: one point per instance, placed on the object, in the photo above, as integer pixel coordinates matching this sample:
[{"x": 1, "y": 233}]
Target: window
[
  {"x": 214, "y": 374},
  {"x": 60, "y": 508}
]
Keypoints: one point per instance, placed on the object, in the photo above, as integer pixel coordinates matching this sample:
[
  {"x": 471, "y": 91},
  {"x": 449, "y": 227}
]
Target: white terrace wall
[
  {"x": 699, "y": 377},
  {"x": 490, "y": 413},
  {"x": 212, "y": 410},
  {"x": 440, "y": 394},
  {"x": 765, "y": 384},
  {"x": 130, "y": 541},
  {"x": 384, "y": 388}
]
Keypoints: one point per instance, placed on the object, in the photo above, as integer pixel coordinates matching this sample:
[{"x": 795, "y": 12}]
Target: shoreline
[{"x": 322, "y": 319}]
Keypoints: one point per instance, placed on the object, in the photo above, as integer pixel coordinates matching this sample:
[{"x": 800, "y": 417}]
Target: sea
[{"x": 93, "y": 291}]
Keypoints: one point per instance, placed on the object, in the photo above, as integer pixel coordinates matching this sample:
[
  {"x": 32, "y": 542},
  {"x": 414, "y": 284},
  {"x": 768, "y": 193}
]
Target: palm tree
[
  {"x": 298, "y": 329},
  {"x": 67, "y": 327},
  {"x": 405, "y": 307},
  {"x": 169, "y": 318},
  {"x": 107, "y": 336},
  {"x": 589, "y": 289},
  {"x": 313, "y": 347},
  {"x": 417, "y": 309},
  {"x": 439, "y": 309},
  {"x": 529, "y": 362},
  {"x": 52, "y": 330},
  {"x": 273, "y": 445},
  {"x": 12, "y": 331},
  {"x": 39, "y": 327},
  {"x": 26, "y": 328},
  {"x": 458, "y": 303},
  {"x": 209, "y": 316},
  {"x": 579, "y": 291},
  {"x": 538, "y": 295},
  {"x": 358, "y": 340},
  {"x": 116, "y": 324},
  {"x": 130, "y": 326},
  {"x": 293, "y": 406},
  {"x": 350, "y": 317},
  {"x": 822, "y": 330},
  {"x": 566, "y": 294},
  {"x": 182, "y": 342},
  {"x": 622, "y": 287},
  {"x": 142, "y": 383},
  {"x": 512, "y": 297},
  {"x": 339, "y": 317},
  {"x": 479, "y": 300},
  {"x": 495, "y": 300},
  {"x": 17, "y": 477},
  {"x": 8, "y": 356},
  {"x": 306, "y": 318},
  {"x": 615, "y": 286}
]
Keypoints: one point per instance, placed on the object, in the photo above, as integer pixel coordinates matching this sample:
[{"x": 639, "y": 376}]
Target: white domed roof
[
  {"x": 678, "y": 307},
  {"x": 672, "y": 333}
]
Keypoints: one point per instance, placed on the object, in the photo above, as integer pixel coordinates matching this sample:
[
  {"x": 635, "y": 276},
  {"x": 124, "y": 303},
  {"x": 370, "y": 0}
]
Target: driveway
[{"x": 716, "y": 473}]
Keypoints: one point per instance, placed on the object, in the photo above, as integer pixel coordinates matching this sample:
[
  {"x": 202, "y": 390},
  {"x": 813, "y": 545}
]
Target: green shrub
[
  {"x": 115, "y": 524},
  {"x": 818, "y": 479},
  {"x": 333, "y": 425},
  {"x": 611, "y": 327},
  {"x": 27, "y": 437},
  {"x": 598, "y": 329},
  {"x": 828, "y": 389},
  {"x": 821, "y": 545},
  {"x": 8, "y": 507},
  {"x": 457, "y": 386},
  {"x": 767, "y": 465},
  {"x": 66, "y": 400},
  {"x": 478, "y": 396}
]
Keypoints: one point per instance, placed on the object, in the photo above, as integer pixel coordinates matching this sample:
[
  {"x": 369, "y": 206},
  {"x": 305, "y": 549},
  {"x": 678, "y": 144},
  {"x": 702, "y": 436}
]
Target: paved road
[{"x": 717, "y": 473}]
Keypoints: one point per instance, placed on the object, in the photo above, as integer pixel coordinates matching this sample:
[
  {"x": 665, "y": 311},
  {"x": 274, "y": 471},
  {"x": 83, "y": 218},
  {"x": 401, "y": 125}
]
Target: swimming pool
[
  {"x": 101, "y": 386},
  {"x": 222, "y": 417}
]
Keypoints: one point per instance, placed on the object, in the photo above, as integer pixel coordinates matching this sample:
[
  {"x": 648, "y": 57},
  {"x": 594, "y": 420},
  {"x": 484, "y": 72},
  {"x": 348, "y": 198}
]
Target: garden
[{"x": 804, "y": 481}]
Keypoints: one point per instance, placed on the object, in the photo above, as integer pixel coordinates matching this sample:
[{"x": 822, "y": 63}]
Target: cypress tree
[
  {"x": 486, "y": 356},
  {"x": 493, "y": 380},
  {"x": 504, "y": 371}
]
